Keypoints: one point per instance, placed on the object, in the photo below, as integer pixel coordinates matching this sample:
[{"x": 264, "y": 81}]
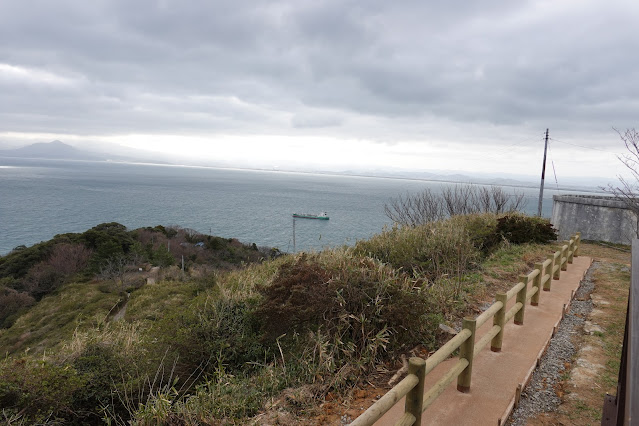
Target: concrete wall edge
[{"x": 598, "y": 201}]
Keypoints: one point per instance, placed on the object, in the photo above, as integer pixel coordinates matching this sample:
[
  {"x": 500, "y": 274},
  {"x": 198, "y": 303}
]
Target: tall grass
[{"x": 223, "y": 347}]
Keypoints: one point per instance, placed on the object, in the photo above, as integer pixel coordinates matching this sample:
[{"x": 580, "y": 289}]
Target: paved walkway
[{"x": 496, "y": 376}]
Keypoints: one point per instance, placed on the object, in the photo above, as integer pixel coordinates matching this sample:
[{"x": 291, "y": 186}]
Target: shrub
[
  {"x": 100, "y": 368},
  {"x": 42, "y": 279},
  {"x": 342, "y": 310},
  {"x": 299, "y": 297},
  {"x": 162, "y": 257},
  {"x": 520, "y": 229},
  {"x": 107, "y": 240},
  {"x": 222, "y": 399},
  {"x": 40, "y": 391},
  {"x": 426, "y": 252},
  {"x": 17, "y": 263},
  {"x": 481, "y": 228},
  {"x": 12, "y": 303},
  {"x": 215, "y": 243},
  {"x": 223, "y": 330}
]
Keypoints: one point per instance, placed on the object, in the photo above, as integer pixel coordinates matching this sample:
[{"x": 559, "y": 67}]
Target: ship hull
[{"x": 308, "y": 216}]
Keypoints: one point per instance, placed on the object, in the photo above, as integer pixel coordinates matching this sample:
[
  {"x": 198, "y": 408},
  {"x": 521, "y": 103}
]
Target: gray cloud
[
  {"x": 284, "y": 66},
  {"x": 315, "y": 120}
]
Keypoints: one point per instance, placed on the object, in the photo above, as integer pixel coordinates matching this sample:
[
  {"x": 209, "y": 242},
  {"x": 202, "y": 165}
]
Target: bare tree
[
  {"x": 504, "y": 202},
  {"x": 115, "y": 269},
  {"x": 628, "y": 190},
  {"x": 499, "y": 199},
  {"x": 69, "y": 259},
  {"x": 484, "y": 199},
  {"x": 459, "y": 199},
  {"x": 424, "y": 207},
  {"x": 413, "y": 210}
]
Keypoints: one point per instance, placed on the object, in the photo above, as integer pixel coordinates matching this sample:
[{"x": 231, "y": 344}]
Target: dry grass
[
  {"x": 242, "y": 284},
  {"x": 211, "y": 323},
  {"x": 123, "y": 336},
  {"x": 503, "y": 268},
  {"x": 56, "y": 317}
]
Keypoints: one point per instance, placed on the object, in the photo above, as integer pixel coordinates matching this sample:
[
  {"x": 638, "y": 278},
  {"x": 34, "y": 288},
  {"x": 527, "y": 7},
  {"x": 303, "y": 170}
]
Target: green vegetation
[
  {"x": 108, "y": 251},
  {"x": 219, "y": 343}
]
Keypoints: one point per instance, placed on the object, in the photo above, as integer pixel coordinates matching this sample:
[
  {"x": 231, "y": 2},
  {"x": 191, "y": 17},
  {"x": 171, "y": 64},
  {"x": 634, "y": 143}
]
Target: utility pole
[
  {"x": 543, "y": 176},
  {"x": 294, "y": 250}
]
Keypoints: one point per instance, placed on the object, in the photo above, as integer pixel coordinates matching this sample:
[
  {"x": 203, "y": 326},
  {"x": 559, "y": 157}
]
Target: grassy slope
[
  {"x": 72, "y": 320},
  {"x": 55, "y": 318}
]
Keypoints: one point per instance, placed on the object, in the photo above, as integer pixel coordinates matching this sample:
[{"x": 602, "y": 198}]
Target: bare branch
[
  {"x": 115, "y": 269},
  {"x": 628, "y": 191},
  {"x": 413, "y": 210},
  {"x": 425, "y": 207}
]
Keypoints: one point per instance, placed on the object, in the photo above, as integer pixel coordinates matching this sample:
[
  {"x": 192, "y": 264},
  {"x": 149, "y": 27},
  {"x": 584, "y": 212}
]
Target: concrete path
[{"x": 496, "y": 377}]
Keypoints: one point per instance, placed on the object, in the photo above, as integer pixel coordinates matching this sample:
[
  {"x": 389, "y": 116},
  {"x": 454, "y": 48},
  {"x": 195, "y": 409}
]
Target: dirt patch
[{"x": 332, "y": 411}]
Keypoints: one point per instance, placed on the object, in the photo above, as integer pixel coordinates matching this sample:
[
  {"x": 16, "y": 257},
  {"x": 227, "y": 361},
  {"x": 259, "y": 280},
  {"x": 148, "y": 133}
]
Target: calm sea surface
[{"x": 39, "y": 199}]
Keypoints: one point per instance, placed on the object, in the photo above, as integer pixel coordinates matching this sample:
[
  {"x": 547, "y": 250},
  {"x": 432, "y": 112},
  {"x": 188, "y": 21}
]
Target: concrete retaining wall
[{"x": 596, "y": 217}]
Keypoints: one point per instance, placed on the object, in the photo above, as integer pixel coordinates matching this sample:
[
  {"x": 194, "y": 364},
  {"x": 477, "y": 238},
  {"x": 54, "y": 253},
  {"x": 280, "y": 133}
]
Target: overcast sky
[{"x": 418, "y": 84}]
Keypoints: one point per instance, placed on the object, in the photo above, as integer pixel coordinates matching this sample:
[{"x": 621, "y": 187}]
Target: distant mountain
[
  {"x": 57, "y": 150},
  {"x": 51, "y": 150}
]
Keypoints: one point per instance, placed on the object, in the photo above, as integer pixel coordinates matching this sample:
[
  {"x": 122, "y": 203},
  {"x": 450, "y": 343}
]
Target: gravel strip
[{"x": 539, "y": 396}]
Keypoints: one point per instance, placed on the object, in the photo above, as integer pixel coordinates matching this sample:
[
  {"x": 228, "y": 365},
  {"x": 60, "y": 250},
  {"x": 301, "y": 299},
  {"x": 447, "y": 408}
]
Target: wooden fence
[
  {"x": 419, "y": 399},
  {"x": 622, "y": 409}
]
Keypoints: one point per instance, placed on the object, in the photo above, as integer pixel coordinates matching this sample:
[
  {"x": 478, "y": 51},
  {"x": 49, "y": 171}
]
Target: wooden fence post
[
  {"x": 466, "y": 350},
  {"x": 521, "y": 298},
  {"x": 549, "y": 271},
  {"x": 557, "y": 256},
  {"x": 537, "y": 283},
  {"x": 578, "y": 243},
  {"x": 500, "y": 320},
  {"x": 414, "y": 398},
  {"x": 571, "y": 250}
]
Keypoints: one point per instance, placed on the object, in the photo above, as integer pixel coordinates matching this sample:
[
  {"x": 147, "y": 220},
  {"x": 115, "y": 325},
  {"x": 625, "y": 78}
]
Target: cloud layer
[{"x": 386, "y": 72}]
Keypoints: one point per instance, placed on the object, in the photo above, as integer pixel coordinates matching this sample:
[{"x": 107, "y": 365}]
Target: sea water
[{"x": 40, "y": 198}]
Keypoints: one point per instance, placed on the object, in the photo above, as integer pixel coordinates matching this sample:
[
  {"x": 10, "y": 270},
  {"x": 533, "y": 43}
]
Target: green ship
[{"x": 321, "y": 216}]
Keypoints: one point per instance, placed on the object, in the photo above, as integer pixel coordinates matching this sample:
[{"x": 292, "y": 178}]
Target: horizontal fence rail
[{"x": 418, "y": 399}]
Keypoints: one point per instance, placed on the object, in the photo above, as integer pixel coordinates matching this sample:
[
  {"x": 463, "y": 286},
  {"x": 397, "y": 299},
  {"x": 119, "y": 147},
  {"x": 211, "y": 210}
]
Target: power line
[
  {"x": 582, "y": 146},
  {"x": 505, "y": 150},
  {"x": 555, "y": 173},
  {"x": 553, "y": 167}
]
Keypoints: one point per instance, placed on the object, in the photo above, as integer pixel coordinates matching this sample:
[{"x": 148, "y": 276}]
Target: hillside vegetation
[
  {"x": 110, "y": 252},
  {"x": 219, "y": 343}
]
